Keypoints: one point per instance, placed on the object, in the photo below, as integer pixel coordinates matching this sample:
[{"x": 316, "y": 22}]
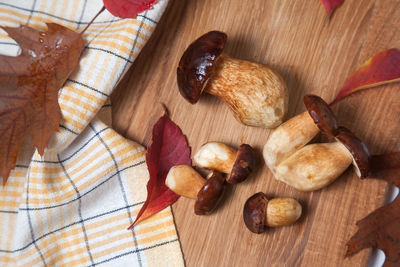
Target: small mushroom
[
  {"x": 259, "y": 213},
  {"x": 185, "y": 181},
  {"x": 314, "y": 166},
  {"x": 238, "y": 164},
  {"x": 255, "y": 93}
]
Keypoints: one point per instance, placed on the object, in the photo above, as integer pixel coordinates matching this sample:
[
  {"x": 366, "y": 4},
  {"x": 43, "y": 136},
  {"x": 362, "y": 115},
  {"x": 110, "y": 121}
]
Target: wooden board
[{"x": 314, "y": 54}]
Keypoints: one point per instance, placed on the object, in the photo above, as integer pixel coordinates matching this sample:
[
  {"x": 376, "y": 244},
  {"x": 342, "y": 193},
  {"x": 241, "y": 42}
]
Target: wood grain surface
[{"x": 314, "y": 54}]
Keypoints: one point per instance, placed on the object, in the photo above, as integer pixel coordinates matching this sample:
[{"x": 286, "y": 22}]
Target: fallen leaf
[
  {"x": 386, "y": 167},
  {"x": 29, "y": 85},
  {"x": 381, "y": 229},
  {"x": 169, "y": 148},
  {"x": 128, "y": 8},
  {"x": 382, "y": 68},
  {"x": 331, "y": 5}
]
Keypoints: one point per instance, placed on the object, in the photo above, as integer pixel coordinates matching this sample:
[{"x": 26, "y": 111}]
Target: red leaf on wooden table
[
  {"x": 382, "y": 68},
  {"x": 169, "y": 148},
  {"x": 331, "y": 5},
  {"x": 128, "y": 8},
  {"x": 381, "y": 229},
  {"x": 29, "y": 85}
]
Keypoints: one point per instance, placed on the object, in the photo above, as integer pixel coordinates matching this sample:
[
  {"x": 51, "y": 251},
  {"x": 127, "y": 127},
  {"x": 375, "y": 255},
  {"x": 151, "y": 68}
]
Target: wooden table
[{"x": 314, "y": 54}]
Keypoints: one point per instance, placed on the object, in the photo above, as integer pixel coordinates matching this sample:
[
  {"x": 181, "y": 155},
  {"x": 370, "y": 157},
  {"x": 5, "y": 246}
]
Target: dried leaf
[
  {"x": 386, "y": 167},
  {"x": 29, "y": 85},
  {"x": 169, "y": 148},
  {"x": 381, "y": 229},
  {"x": 128, "y": 8},
  {"x": 331, "y": 5},
  {"x": 382, "y": 68}
]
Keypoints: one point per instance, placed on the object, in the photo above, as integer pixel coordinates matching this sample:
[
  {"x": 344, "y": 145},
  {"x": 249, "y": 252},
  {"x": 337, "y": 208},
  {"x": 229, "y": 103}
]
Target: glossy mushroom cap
[
  {"x": 254, "y": 213},
  {"x": 359, "y": 151},
  {"x": 210, "y": 194},
  {"x": 322, "y": 115},
  {"x": 244, "y": 164},
  {"x": 197, "y": 63}
]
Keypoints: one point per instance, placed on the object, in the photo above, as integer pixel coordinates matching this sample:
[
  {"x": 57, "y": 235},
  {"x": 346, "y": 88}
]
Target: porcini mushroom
[
  {"x": 185, "y": 181},
  {"x": 255, "y": 93},
  {"x": 314, "y": 166},
  {"x": 259, "y": 213},
  {"x": 238, "y": 164}
]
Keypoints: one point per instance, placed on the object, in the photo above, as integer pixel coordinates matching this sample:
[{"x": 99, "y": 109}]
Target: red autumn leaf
[
  {"x": 331, "y": 5},
  {"x": 381, "y": 229},
  {"x": 128, "y": 8},
  {"x": 382, "y": 68},
  {"x": 169, "y": 148},
  {"x": 29, "y": 85}
]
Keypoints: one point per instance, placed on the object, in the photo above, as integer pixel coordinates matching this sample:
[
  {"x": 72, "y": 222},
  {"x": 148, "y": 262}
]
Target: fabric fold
[{"x": 73, "y": 205}]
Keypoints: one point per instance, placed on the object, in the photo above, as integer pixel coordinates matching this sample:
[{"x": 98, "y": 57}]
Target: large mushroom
[
  {"x": 186, "y": 182},
  {"x": 314, "y": 166},
  {"x": 256, "y": 94}
]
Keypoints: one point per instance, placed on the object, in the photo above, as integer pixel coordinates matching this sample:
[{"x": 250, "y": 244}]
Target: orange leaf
[
  {"x": 331, "y": 5},
  {"x": 29, "y": 85},
  {"x": 382, "y": 68}
]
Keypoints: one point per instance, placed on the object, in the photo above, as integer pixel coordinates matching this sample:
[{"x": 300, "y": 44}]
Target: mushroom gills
[{"x": 314, "y": 166}]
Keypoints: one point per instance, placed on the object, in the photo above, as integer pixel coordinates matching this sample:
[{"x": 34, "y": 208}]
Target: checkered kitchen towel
[{"x": 72, "y": 207}]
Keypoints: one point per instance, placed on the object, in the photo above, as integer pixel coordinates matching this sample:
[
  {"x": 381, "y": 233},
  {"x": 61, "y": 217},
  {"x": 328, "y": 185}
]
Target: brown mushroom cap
[
  {"x": 244, "y": 164},
  {"x": 359, "y": 151},
  {"x": 254, "y": 213},
  {"x": 197, "y": 63},
  {"x": 209, "y": 194},
  {"x": 322, "y": 115}
]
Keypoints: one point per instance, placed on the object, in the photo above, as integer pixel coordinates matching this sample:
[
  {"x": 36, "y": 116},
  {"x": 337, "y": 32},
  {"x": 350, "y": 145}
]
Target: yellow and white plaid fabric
[{"x": 73, "y": 206}]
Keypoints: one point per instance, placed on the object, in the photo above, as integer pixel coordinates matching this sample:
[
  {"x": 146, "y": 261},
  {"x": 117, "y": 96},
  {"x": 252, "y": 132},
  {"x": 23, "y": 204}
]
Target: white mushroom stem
[
  {"x": 184, "y": 181},
  {"x": 282, "y": 211},
  {"x": 216, "y": 156},
  {"x": 256, "y": 94},
  {"x": 288, "y": 138},
  {"x": 314, "y": 166}
]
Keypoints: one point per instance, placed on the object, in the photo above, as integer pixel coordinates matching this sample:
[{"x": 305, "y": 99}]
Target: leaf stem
[{"x": 90, "y": 23}]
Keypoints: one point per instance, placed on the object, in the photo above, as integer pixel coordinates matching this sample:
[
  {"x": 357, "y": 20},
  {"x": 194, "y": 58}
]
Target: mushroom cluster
[
  {"x": 256, "y": 94},
  {"x": 309, "y": 167},
  {"x": 219, "y": 158}
]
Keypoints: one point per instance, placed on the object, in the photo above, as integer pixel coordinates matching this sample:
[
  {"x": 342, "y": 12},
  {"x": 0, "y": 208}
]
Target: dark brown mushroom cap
[
  {"x": 244, "y": 164},
  {"x": 359, "y": 151},
  {"x": 254, "y": 213},
  {"x": 197, "y": 63},
  {"x": 322, "y": 115},
  {"x": 209, "y": 194}
]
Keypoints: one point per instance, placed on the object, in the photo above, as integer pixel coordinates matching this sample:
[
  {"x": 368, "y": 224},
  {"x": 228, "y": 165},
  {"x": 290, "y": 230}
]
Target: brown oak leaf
[
  {"x": 381, "y": 229},
  {"x": 29, "y": 85}
]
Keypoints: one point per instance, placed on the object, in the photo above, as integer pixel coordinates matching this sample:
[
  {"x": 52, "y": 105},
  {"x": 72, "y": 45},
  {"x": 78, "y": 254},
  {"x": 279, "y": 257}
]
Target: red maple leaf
[{"x": 29, "y": 85}]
